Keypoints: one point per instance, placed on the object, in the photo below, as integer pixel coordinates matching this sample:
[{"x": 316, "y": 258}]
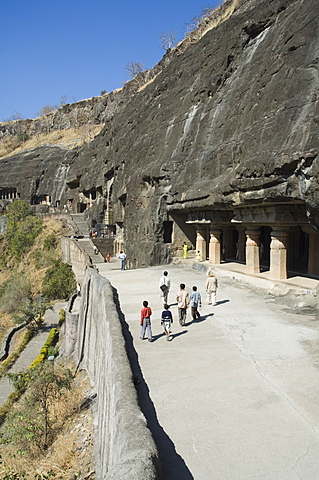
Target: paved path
[
  {"x": 233, "y": 396},
  {"x": 32, "y": 350}
]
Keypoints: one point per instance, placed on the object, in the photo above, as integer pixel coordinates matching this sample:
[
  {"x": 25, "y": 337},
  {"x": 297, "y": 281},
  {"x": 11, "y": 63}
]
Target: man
[
  {"x": 195, "y": 300},
  {"x": 122, "y": 257},
  {"x": 211, "y": 288},
  {"x": 182, "y": 304},
  {"x": 164, "y": 285}
]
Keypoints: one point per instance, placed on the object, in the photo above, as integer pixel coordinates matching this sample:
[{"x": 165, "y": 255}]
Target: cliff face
[{"x": 231, "y": 121}]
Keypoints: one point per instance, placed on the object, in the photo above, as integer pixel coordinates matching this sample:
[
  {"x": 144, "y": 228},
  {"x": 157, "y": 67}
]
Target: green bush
[
  {"x": 22, "y": 228},
  {"x": 50, "y": 242},
  {"x": 22, "y": 137},
  {"x": 49, "y": 344},
  {"x": 59, "y": 281},
  {"x": 62, "y": 317}
]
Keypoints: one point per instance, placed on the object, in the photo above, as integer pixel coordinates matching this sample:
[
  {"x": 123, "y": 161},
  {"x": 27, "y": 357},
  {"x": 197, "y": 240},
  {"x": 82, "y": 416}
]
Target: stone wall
[
  {"x": 73, "y": 254},
  {"x": 124, "y": 447}
]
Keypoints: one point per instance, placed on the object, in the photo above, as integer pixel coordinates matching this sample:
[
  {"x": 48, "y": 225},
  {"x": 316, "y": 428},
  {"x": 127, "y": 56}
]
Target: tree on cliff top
[
  {"x": 196, "y": 21},
  {"x": 134, "y": 68},
  {"x": 168, "y": 40}
]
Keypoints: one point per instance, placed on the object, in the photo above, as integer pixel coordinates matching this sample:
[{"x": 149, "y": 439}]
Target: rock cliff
[{"x": 230, "y": 121}]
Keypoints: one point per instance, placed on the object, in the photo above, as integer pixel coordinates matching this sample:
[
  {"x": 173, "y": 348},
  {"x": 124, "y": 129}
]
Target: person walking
[
  {"x": 164, "y": 285},
  {"x": 166, "y": 321},
  {"x": 211, "y": 288},
  {"x": 182, "y": 298},
  {"x": 108, "y": 257},
  {"x": 195, "y": 301},
  {"x": 145, "y": 321},
  {"x": 122, "y": 257}
]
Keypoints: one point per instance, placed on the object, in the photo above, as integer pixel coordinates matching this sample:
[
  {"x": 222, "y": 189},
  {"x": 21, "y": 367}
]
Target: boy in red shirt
[{"x": 145, "y": 321}]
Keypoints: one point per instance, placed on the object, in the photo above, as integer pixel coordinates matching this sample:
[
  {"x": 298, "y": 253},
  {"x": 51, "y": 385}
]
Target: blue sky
[{"x": 74, "y": 48}]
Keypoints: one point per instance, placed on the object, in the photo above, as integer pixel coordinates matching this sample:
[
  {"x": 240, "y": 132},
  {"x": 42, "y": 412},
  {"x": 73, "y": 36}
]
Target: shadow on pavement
[
  {"x": 221, "y": 302},
  {"x": 202, "y": 318},
  {"x": 175, "y": 335},
  {"x": 157, "y": 337},
  {"x": 173, "y": 464}
]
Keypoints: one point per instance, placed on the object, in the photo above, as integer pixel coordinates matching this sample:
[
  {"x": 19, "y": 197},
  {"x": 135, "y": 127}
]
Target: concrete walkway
[
  {"x": 233, "y": 396},
  {"x": 32, "y": 350}
]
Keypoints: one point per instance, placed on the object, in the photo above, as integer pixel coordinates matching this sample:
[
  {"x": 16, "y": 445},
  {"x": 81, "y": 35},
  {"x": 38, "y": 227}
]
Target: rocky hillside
[{"x": 230, "y": 120}]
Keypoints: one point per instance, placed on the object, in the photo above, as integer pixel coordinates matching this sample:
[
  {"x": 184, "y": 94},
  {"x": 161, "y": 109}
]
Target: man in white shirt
[
  {"x": 122, "y": 257},
  {"x": 164, "y": 286}
]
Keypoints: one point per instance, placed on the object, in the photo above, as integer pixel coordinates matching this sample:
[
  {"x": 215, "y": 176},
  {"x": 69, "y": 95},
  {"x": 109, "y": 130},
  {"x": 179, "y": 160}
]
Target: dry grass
[
  {"x": 147, "y": 83},
  {"x": 69, "y": 139},
  {"x": 72, "y": 452},
  {"x": 221, "y": 14}
]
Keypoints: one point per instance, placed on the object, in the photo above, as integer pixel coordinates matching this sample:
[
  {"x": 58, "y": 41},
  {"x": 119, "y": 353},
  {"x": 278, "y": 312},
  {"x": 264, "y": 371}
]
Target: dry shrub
[{"x": 69, "y": 454}]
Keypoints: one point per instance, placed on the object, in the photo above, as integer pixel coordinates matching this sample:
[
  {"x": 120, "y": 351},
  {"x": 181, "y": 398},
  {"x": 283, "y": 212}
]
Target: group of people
[{"x": 184, "y": 300}]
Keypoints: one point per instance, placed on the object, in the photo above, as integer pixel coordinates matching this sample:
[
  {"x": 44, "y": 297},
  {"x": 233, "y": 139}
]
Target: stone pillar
[
  {"x": 278, "y": 254},
  {"x": 252, "y": 250},
  {"x": 201, "y": 243},
  {"x": 313, "y": 254},
  {"x": 214, "y": 246}
]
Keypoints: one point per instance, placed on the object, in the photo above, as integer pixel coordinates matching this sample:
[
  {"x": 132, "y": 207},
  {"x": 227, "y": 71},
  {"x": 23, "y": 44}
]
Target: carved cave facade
[{"x": 220, "y": 150}]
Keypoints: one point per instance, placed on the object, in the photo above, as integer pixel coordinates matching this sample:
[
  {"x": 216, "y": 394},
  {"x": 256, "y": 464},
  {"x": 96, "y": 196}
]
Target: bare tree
[
  {"x": 196, "y": 21},
  {"x": 46, "y": 110},
  {"x": 134, "y": 68},
  {"x": 168, "y": 40},
  {"x": 19, "y": 126},
  {"x": 15, "y": 116}
]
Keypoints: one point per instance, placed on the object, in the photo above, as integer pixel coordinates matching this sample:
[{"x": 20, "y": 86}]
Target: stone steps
[
  {"x": 87, "y": 246},
  {"x": 81, "y": 224}
]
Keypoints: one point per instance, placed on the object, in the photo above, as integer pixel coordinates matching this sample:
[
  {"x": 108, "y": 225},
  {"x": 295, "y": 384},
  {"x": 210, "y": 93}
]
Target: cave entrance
[{"x": 168, "y": 231}]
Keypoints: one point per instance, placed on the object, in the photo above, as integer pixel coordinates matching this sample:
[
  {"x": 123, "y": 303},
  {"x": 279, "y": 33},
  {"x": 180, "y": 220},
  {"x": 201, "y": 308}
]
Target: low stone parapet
[{"x": 124, "y": 446}]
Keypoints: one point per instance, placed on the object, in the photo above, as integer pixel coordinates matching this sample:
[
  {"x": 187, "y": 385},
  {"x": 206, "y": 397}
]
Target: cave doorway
[
  {"x": 298, "y": 248},
  {"x": 168, "y": 231},
  {"x": 264, "y": 248}
]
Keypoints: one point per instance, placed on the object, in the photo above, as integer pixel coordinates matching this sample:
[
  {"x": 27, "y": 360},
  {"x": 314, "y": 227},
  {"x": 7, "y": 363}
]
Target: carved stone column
[
  {"x": 313, "y": 254},
  {"x": 201, "y": 243},
  {"x": 214, "y": 246},
  {"x": 252, "y": 250},
  {"x": 278, "y": 254}
]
